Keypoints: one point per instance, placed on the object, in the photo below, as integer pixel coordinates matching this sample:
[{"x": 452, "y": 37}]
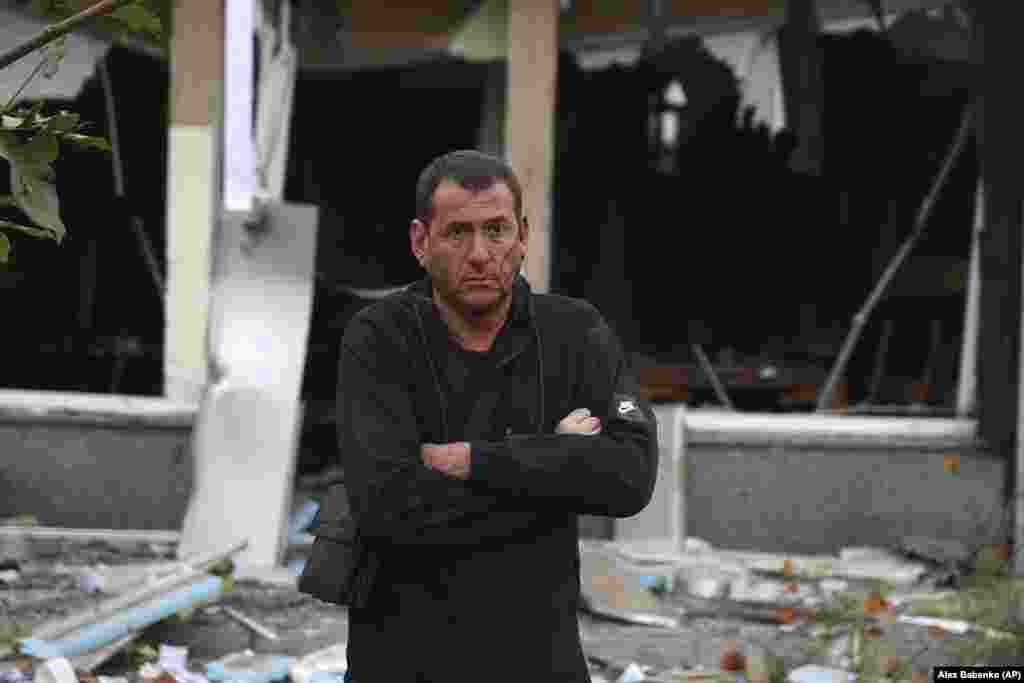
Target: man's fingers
[{"x": 579, "y": 422}]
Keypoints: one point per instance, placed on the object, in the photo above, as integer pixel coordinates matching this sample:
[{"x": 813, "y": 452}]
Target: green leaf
[
  {"x": 56, "y": 9},
  {"x": 5, "y": 248},
  {"x": 988, "y": 561},
  {"x": 88, "y": 141},
  {"x": 163, "y": 9},
  {"x": 8, "y": 141},
  {"x": 64, "y": 122},
  {"x": 32, "y": 180},
  {"x": 41, "y": 149},
  {"x": 27, "y": 229},
  {"x": 29, "y": 116},
  {"x": 55, "y": 53},
  {"x": 37, "y": 196},
  {"x": 140, "y": 19},
  {"x": 8, "y": 122}
]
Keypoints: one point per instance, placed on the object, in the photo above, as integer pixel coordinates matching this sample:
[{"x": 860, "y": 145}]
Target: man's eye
[{"x": 497, "y": 229}]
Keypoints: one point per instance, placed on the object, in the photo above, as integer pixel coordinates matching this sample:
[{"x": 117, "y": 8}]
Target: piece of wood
[
  {"x": 193, "y": 188},
  {"x": 530, "y": 122}
]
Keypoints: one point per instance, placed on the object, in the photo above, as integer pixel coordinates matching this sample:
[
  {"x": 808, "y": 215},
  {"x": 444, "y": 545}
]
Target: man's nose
[{"x": 478, "y": 251}]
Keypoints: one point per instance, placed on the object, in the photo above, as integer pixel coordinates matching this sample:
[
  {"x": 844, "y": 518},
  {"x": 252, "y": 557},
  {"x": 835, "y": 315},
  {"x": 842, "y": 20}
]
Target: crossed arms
[{"x": 405, "y": 492}]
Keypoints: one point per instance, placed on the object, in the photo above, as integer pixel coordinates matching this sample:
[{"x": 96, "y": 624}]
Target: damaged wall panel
[{"x": 98, "y": 462}]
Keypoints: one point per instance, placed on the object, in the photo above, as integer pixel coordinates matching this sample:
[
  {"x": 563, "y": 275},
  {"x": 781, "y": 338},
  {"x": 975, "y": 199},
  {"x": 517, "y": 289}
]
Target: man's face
[{"x": 473, "y": 247}]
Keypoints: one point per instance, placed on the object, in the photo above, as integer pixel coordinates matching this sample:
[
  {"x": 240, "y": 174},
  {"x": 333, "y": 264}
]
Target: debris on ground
[
  {"x": 865, "y": 611},
  {"x": 323, "y": 666},
  {"x": 249, "y": 667},
  {"x": 115, "y": 611}
]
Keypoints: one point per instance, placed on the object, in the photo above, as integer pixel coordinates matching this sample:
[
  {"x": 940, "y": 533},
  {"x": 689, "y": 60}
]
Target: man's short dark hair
[{"x": 471, "y": 170}]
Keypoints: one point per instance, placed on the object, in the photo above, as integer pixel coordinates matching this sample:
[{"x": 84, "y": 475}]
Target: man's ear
[
  {"x": 524, "y": 231},
  {"x": 418, "y": 233}
]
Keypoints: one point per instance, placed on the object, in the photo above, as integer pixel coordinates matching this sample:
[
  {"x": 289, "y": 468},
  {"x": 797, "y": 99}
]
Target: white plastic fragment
[
  {"x": 707, "y": 587},
  {"x": 149, "y": 670},
  {"x": 811, "y": 673},
  {"x": 634, "y": 673},
  {"x": 832, "y": 586},
  {"x": 696, "y": 545},
  {"x": 249, "y": 667},
  {"x": 173, "y": 658},
  {"x": 55, "y": 670},
  {"x": 953, "y": 626},
  {"x": 330, "y": 660},
  {"x": 746, "y": 589}
]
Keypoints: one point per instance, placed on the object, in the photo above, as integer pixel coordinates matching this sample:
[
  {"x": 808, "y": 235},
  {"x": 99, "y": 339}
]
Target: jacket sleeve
[
  {"x": 393, "y": 497},
  {"x": 611, "y": 474}
]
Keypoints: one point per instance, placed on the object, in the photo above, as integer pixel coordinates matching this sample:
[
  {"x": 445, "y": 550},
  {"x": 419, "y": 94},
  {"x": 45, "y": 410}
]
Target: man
[{"x": 476, "y": 421}]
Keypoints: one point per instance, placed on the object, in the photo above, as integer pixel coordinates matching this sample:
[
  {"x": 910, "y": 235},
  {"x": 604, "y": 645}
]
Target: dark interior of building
[{"x": 713, "y": 240}]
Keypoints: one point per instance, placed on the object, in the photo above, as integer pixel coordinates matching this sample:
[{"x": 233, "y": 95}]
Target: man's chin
[{"x": 481, "y": 303}]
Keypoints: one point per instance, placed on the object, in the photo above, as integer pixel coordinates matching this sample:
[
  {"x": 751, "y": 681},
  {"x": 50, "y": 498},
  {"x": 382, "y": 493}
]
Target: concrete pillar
[
  {"x": 193, "y": 192},
  {"x": 530, "y": 122}
]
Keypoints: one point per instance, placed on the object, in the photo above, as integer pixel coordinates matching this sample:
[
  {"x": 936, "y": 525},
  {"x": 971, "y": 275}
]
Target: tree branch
[{"x": 52, "y": 33}]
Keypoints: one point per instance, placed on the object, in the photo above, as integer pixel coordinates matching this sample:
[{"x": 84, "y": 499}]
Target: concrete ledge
[
  {"x": 95, "y": 461},
  {"x": 827, "y": 431},
  {"x": 817, "y": 483},
  {"x": 94, "y": 409}
]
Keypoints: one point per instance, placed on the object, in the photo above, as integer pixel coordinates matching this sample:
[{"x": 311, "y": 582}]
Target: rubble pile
[
  {"x": 867, "y": 614},
  {"x": 129, "y": 612}
]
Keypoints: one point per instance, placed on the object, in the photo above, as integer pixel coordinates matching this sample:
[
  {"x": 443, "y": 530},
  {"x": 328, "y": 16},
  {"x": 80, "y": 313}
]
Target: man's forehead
[{"x": 451, "y": 197}]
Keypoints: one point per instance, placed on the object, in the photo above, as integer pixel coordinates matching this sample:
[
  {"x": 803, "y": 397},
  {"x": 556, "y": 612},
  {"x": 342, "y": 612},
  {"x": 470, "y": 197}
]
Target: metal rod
[
  {"x": 933, "y": 352},
  {"x": 148, "y": 253},
  {"x": 716, "y": 384},
  {"x": 968, "y": 380},
  {"x": 255, "y": 627},
  {"x": 921, "y": 220},
  {"x": 883, "y": 352}
]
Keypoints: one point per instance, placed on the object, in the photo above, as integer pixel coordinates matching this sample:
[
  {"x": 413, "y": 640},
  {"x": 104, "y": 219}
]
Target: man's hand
[
  {"x": 579, "y": 421},
  {"x": 451, "y": 459}
]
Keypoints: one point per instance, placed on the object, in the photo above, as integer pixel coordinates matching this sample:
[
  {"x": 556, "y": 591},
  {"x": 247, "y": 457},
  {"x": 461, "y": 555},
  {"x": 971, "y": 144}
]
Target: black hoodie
[{"x": 484, "y": 572}]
